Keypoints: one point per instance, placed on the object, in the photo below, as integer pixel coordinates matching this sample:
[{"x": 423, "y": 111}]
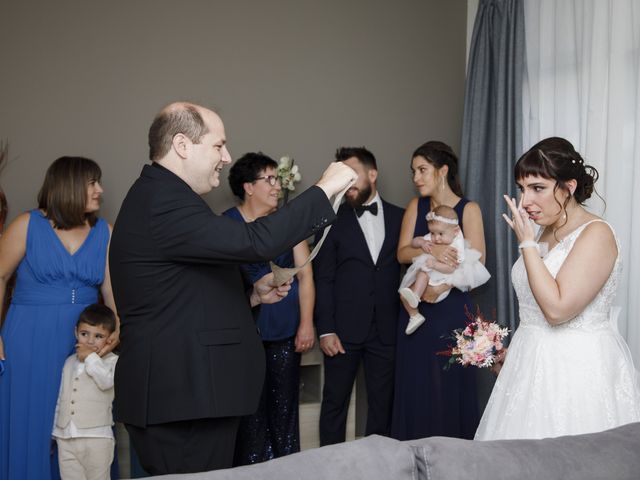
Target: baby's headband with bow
[{"x": 433, "y": 217}]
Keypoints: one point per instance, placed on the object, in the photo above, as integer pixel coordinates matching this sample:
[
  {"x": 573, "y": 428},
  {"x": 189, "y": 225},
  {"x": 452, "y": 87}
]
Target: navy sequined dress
[{"x": 273, "y": 431}]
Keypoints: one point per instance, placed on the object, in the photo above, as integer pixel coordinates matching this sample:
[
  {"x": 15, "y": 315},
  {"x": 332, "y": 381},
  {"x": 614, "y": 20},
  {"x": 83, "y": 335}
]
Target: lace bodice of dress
[{"x": 594, "y": 316}]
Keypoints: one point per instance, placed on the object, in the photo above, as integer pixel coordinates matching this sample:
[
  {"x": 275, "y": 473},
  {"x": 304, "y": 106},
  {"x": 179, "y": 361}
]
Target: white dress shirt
[{"x": 373, "y": 228}]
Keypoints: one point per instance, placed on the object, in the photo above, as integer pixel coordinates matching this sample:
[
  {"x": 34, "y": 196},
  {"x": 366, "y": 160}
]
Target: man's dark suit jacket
[
  {"x": 189, "y": 346},
  {"x": 351, "y": 290}
]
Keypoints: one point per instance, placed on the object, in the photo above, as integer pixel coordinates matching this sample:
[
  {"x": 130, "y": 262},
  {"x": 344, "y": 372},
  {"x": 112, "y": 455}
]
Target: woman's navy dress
[{"x": 428, "y": 400}]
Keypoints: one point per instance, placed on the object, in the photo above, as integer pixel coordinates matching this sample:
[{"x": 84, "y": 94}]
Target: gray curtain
[{"x": 492, "y": 141}]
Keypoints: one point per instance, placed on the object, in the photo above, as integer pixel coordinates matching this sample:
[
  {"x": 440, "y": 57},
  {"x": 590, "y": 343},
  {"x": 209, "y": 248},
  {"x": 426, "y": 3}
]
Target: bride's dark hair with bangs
[{"x": 555, "y": 158}]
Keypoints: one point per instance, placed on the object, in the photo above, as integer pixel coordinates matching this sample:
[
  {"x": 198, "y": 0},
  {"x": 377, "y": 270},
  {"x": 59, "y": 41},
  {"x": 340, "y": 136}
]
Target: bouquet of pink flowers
[{"x": 479, "y": 344}]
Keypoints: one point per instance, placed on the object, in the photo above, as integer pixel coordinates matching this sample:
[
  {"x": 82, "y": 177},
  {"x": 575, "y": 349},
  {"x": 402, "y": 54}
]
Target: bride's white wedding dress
[{"x": 577, "y": 377}]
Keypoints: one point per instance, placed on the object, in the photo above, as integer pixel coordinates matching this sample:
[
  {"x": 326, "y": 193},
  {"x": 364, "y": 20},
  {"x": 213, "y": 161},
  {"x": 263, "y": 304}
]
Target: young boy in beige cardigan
[{"x": 83, "y": 420}]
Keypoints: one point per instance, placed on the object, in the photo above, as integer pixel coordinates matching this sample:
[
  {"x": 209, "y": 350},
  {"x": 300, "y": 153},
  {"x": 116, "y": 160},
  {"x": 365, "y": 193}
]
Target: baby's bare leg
[
  {"x": 410, "y": 310},
  {"x": 411, "y": 299},
  {"x": 411, "y": 295},
  {"x": 421, "y": 283}
]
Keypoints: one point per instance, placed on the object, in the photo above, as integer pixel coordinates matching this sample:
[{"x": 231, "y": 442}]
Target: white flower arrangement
[{"x": 289, "y": 175}]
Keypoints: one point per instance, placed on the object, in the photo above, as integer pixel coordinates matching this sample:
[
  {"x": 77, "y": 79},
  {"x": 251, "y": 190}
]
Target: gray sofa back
[
  {"x": 610, "y": 455},
  {"x": 370, "y": 458}
]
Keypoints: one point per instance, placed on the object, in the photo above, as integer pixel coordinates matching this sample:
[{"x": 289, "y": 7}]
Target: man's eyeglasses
[{"x": 270, "y": 179}]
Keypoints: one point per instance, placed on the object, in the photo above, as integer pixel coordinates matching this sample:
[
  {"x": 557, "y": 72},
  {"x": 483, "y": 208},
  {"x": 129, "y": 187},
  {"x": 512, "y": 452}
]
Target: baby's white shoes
[
  {"x": 414, "y": 322},
  {"x": 410, "y": 296}
]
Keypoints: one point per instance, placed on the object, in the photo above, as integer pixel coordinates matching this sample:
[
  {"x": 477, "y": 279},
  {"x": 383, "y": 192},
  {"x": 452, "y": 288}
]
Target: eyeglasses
[{"x": 270, "y": 179}]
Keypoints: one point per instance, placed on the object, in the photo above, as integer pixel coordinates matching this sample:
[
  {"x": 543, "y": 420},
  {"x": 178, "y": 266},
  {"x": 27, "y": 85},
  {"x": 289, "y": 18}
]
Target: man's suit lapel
[{"x": 388, "y": 227}]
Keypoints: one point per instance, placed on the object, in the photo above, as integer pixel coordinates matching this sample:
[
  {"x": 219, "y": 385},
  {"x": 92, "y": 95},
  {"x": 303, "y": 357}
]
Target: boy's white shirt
[{"x": 101, "y": 371}]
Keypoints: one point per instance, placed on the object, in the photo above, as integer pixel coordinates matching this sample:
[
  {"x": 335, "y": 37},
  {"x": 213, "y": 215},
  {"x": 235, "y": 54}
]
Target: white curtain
[{"x": 583, "y": 83}]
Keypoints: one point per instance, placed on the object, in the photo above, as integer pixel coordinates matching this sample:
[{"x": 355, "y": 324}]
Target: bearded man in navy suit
[{"x": 357, "y": 277}]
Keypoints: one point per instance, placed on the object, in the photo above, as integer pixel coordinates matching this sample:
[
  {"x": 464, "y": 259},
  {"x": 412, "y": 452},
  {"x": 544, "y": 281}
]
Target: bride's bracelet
[{"x": 529, "y": 243}]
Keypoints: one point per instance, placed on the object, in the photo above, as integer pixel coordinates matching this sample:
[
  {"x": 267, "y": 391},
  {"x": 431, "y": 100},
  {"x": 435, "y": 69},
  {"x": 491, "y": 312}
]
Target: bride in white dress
[{"x": 567, "y": 371}]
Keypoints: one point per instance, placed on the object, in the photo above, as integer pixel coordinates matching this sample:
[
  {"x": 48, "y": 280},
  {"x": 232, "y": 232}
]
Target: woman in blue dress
[
  {"x": 428, "y": 400},
  {"x": 286, "y": 327},
  {"x": 59, "y": 251}
]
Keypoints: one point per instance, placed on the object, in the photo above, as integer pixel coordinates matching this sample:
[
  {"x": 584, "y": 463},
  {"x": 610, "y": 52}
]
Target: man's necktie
[{"x": 372, "y": 208}]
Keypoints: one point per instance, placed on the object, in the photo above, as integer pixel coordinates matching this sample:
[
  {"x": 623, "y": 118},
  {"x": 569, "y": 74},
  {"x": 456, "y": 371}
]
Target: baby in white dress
[{"x": 426, "y": 270}]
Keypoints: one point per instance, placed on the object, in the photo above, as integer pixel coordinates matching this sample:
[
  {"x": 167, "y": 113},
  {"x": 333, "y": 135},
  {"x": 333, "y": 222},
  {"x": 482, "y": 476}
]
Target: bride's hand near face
[{"x": 519, "y": 222}]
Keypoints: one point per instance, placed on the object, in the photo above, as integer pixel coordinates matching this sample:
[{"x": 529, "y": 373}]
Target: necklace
[{"x": 246, "y": 217}]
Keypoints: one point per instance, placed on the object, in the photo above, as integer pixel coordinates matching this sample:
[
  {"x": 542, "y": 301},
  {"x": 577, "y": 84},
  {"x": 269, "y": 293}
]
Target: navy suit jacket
[{"x": 352, "y": 291}]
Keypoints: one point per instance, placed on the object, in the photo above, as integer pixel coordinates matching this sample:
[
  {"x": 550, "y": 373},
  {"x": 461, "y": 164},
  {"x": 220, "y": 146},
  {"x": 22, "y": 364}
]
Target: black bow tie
[{"x": 372, "y": 208}]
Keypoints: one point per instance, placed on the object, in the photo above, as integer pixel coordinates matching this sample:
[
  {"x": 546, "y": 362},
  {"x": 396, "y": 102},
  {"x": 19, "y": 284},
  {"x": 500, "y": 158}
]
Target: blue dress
[
  {"x": 52, "y": 288},
  {"x": 430, "y": 401}
]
